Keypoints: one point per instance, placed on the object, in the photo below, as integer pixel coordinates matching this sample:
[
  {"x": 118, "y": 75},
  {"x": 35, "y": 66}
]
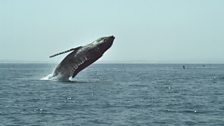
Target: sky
[{"x": 146, "y": 31}]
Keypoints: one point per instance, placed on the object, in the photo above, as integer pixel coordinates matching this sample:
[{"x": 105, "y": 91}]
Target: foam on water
[
  {"x": 55, "y": 78},
  {"x": 51, "y": 77},
  {"x": 48, "y": 77}
]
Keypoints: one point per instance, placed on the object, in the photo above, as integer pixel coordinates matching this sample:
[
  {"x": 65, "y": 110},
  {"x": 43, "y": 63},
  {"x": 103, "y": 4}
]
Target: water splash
[
  {"x": 55, "y": 78},
  {"x": 48, "y": 77}
]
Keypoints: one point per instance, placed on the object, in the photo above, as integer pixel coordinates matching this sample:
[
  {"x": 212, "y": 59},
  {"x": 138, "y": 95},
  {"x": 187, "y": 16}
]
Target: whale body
[{"x": 81, "y": 57}]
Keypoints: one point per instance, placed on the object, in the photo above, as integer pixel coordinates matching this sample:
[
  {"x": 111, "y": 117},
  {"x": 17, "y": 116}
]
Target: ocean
[{"x": 113, "y": 94}]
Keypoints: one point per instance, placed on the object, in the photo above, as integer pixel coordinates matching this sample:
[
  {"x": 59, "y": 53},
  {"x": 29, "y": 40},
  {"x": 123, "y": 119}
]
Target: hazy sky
[{"x": 154, "y": 31}]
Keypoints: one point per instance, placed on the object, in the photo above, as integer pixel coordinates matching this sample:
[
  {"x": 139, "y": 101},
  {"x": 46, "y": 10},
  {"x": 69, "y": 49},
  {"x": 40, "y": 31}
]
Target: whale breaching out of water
[{"x": 80, "y": 58}]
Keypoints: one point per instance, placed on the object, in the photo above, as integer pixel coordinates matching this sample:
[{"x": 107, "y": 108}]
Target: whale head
[{"x": 104, "y": 43}]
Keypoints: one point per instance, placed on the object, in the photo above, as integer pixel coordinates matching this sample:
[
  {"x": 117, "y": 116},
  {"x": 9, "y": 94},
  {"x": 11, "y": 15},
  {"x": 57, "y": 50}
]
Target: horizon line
[{"x": 121, "y": 62}]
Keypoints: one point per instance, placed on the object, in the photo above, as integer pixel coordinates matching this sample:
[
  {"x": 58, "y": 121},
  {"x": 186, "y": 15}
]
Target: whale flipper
[{"x": 72, "y": 49}]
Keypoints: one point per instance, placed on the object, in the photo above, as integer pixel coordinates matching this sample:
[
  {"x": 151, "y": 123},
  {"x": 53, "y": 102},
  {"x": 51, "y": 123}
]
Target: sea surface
[{"x": 113, "y": 95}]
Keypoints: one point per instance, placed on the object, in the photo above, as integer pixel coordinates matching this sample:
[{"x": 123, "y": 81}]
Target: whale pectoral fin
[
  {"x": 76, "y": 49},
  {"x": 72, "y": 49}
]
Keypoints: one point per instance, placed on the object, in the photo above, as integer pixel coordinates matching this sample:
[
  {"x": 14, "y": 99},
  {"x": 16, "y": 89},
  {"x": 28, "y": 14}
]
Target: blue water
[{"x": 113, "y": 94}]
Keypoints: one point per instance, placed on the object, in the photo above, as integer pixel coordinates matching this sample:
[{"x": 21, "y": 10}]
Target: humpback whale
[{"x": 81, "y": 57}]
